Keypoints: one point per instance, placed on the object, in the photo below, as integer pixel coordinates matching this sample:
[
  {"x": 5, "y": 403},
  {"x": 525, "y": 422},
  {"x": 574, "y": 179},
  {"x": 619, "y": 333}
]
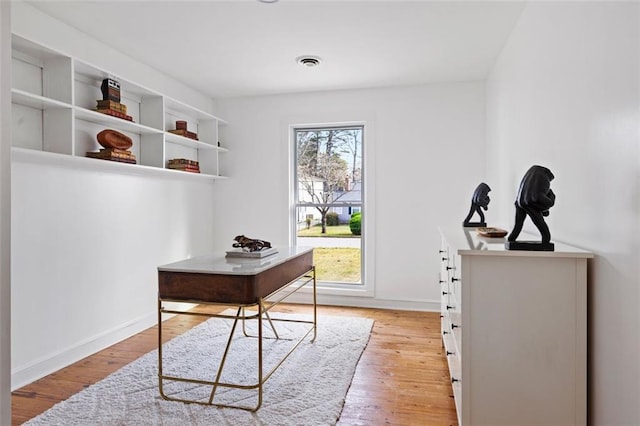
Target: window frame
[{"x": 366, "y": 286}]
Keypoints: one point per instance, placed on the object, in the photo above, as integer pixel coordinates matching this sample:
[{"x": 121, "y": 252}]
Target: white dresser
[{"x": 514, "y": 327}]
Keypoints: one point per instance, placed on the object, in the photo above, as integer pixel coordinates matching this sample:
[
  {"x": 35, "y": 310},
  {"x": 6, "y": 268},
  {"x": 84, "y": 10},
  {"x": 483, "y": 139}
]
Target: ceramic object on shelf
[{"x": 109, "y": 138}]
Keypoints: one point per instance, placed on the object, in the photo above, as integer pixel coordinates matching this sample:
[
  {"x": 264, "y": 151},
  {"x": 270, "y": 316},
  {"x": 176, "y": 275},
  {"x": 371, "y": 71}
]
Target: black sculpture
[
  {"x": 110, "y": 89},
  {"x": 479, "y": 200},
  {"x": 534, "y": 199},
  {"x": 250, "y": 244}
]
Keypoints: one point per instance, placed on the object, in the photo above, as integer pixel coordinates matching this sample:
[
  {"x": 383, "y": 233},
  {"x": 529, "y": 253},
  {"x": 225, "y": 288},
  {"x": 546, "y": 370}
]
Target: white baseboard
[
  {"x": 54, "y": 362},
  {"x": 367, "y": 302}
]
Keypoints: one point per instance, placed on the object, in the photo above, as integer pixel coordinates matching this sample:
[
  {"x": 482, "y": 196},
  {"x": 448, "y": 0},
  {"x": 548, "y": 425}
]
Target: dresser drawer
[
  {"x": 456, "y": 330},
  {"x": 444, "y": 297},
  {"x": 455, "y": 371},
  {"x": 454, "y": 276},
  {"x": 450, "y": 306},
  {"x": 451, "y": 352},
  {"x": 453, "y": 329}
]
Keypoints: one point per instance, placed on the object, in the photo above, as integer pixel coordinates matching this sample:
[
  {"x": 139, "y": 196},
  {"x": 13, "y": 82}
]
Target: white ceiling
[{"x": 245, "y": 47}]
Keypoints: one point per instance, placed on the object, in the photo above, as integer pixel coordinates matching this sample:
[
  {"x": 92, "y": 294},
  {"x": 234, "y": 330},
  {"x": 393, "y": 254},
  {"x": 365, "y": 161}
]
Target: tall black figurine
[
  {"x": 535, "y": 198},
  {"x": 479, "y": 200}
]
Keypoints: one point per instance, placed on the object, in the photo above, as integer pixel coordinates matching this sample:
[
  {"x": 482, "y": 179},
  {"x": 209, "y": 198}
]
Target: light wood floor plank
[{"x": 401, "y": 379}]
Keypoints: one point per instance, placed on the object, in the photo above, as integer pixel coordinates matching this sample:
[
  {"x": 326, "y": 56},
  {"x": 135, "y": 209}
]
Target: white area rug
[{"x": 308, "y": 389}]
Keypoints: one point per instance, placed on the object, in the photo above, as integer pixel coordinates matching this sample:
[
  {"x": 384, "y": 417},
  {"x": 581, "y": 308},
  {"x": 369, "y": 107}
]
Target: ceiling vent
[{"x": 308, "y": 61}]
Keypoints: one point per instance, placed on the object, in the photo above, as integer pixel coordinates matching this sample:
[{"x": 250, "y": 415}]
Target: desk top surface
[{"x": 217, "y": 263}]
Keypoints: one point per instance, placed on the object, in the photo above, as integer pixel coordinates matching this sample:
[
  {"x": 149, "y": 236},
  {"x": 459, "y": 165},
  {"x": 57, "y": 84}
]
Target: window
[{"x": 329, "y": 207}]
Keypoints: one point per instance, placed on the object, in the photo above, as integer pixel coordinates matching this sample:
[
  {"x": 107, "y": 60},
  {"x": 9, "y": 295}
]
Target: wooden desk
[{"x": 242, "y": 283}]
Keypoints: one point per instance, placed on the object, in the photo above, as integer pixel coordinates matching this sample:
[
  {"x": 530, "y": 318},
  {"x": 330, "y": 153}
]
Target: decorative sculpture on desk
[
  {"x": 250, "y": 244},
  {"x": 480, "y": 200},
  {"x": 534, "y": 199}
]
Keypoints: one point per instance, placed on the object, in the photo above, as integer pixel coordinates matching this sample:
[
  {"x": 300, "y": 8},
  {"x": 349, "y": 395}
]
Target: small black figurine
[
  {"x": 479, "y": 200},
  {"x": 535, "y": 198},
  {"x": 250, "y": 244}
]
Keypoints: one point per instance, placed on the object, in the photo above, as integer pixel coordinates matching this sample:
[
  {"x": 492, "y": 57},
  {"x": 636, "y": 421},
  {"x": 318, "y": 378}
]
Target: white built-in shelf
[
  {"x": 113, "y": 122},
  {"x": 181, "y": 107},
  {"x": 30, "y": 100},
  {"x": 54, "y": 100},
  {"x": 51, "y": 158},
  {"x": 184, "y": 141},
  {"x": 87, "y": 72}
]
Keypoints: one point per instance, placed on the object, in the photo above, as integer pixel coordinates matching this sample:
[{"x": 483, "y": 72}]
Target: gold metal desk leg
[
  {"x": 260, "y": 382},
  {"x": 160, "y": 347},
  {"x": 224, "y": 356},
  {"x": 266, "y": 313},
  {"x": 315, "y": 306}
]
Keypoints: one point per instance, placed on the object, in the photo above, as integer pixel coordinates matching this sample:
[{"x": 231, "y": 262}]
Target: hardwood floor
[{"x": 401, "y": 379}]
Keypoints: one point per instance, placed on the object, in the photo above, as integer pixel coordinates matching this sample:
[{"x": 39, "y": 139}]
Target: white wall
[
  {"x": 35, "y": 25},
  {"x": 428, "y": 145},
  {"x": 565, "y": 94},
  {"x": 87, "y": 240},
  {"x": 5, "y": 216}
]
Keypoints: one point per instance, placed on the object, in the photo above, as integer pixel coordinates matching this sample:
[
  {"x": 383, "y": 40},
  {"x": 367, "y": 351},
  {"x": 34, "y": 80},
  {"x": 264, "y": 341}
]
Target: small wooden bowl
[
  {"x": 112, "y": 139},
  {"x": 492, "y": 232}
]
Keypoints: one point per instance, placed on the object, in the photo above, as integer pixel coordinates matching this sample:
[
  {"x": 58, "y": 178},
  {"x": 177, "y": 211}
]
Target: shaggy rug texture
[{"x": 309, "y": 388}]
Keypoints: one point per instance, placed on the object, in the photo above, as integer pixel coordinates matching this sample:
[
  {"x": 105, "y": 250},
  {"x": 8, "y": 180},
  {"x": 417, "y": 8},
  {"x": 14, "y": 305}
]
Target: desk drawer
[{"x": 229, "y": 288}]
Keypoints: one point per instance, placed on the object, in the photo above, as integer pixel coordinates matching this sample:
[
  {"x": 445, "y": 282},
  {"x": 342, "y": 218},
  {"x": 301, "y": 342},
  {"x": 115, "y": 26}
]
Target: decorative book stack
[
  {"x": 184, "y": 165},
  {"x": 259, "y": 254},
  {"x": 181, "y": 129},
  {"x": 113, "y": 154},
  {"x": 110, "y": 102},
  {"x": 115, "y": 147}
]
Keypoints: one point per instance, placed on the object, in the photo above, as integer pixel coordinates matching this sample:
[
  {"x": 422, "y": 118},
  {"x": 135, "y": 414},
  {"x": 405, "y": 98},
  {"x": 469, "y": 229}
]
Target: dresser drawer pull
[
  {"x": 450, "y": 307},
  {"x": 445, "y": 259},
  {"x": 450, "y": 353},
  {"x": 442, "y": 251},
  {"x": 445, "y": 332},
  {"x": 444, "y": 293},
  {"x": 450, "y": 268},
  {"x": 454, "y": 279},
  {"x": 454, "y": 326},
  {"x": 443, "y": 281},
  {"x": 454, "y": 380}
]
